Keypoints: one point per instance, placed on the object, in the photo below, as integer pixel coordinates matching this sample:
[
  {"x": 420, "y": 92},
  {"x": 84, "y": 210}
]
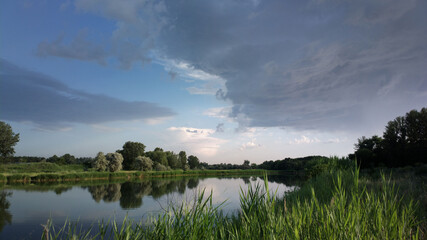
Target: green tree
[
  {"x": 8, "y": 139},
  {"x": 395, "y": 140},
  {"x": 115, "y": 161},
  {"x": 143, "y": 164},
  {"x": 130, "y": 151},
  {"x": 246, "y": 164},
  {"x": 173, "y": 160},
  {"x": 160, "y": 167},
  {"x": 193, "y": 162},
  {"x": 100, "y": 163},
  {"x": 158, "y": 156},
  {"x": 69, "y": 159},
  {"x": 369, "y": 151},
  {"x": 182, "y": 157}
]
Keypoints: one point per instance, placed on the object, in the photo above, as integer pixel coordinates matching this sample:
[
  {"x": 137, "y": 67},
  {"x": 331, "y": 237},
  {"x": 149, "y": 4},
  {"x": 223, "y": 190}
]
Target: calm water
[{"x": 23, "y": 208}]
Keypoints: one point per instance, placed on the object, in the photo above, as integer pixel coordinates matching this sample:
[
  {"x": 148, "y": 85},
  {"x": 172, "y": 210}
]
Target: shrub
[
  {"x": 100, "y": 163},
  {"x": 142, "y": 164},
  {"x": 160, "y": 167},
  {"x": 115, "y": 161}
]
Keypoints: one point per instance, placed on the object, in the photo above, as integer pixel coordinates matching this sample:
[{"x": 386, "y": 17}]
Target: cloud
[
  {"x": 196, "y": 140},
  {"x": 326, "y": 65},
  {"x": 250, "y": 145},
  {"x": 219, "y": 112},
  {"x": 79, "y": 48},
  {"x": 317, "y": 69},
  {"x": 34, "y": 97},
  {"x": 304, "y": 140},
  {"x": 204, "y": 83},
  {"x": 220, "y": 128}
]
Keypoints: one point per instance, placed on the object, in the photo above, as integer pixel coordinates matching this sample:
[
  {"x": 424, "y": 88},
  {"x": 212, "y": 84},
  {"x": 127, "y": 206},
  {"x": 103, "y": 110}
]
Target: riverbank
[
  {"x": 122, "y": 175},
  {"x": 334, "y": 205}
]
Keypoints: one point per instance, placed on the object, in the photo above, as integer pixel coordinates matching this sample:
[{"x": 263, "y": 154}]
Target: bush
[
  {"x": 100, "y": 163},
  {"x": 160, "y": 167},
  {"x": 115, "y": 161},
  {"x": 142, "y": 164}
]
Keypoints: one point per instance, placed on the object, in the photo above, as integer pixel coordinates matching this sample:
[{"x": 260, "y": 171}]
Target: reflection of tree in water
[
  {"x": 61, "y": 190},
  {"x": 182, "y": 185},
  {"x": 5, "y": 216},
  {"x": 132, "y": 193},
  {"x": 192, "y": 183},
  {"x": 246, "y": 180},
  {"x": 288, "y": 180},
  {"x": 107, "y": 192}
]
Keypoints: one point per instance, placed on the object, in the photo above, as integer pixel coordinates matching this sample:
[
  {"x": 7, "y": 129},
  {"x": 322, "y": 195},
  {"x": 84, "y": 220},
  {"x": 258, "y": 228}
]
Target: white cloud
[
  {"x": 304, "y": 140},
  {"x": 203, "y": 83},
  {"x": 156, "y": 121},
  {"x": 250, "y": 145},
  {"x": 197, "y": 140},
  {"x": 219, "y": 112}
]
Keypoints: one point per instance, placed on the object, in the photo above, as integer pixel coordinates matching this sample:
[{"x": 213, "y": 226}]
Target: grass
[
  {"x": 334, "y": 205},
  {"x": 40, "y": 167},
  {"x": 51, "y": 172}
]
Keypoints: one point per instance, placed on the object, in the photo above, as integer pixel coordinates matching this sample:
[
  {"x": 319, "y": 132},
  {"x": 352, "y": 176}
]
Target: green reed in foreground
[{"x": 331, "y": 206}]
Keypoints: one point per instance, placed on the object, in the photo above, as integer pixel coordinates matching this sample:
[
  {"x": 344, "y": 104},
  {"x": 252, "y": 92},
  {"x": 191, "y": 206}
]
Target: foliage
[
  {"x": 131, "y": 150},
  {"x": 193, "y": 162},
  {"x": 100, "y": 163},
  {"x": 158, "y": 156},
  {"x": 143, "y": 164},
  {"x": 182, "y": 156},
  {"x": 404, "y": 142},
  {"x": 8, "y": 139},
  {"x": 160, "y": 167},
  {"x": 173, "y": 161},
  {"x": 64, "y": 159},
  {"x": 246, "y": 164},
  {"x": 115, "y": 161}
]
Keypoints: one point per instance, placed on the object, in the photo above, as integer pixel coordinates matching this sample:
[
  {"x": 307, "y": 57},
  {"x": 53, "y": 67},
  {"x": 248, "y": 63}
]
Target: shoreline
[{"x": 28, "y": 178}]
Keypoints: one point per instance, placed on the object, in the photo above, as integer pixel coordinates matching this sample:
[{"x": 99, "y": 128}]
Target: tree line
[
  {"x": 404, "y": 142},
  {"x": 133, "y": 157}
]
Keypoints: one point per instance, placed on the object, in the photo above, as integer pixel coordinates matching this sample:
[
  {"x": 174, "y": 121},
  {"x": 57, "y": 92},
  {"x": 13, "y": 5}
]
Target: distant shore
[{"x": 6, "y": 178}]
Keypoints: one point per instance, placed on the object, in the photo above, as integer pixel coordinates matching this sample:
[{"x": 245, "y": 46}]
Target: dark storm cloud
[
  {"x": 308, "y": 65},
  {"x": 35, "y": 97},
  {"x": 304, "y": 64},
  {"x": 80, "y": 48}
]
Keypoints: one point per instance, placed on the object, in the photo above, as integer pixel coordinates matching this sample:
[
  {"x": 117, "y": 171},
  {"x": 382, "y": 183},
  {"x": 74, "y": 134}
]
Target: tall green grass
[{"x": 332, "y": 206}]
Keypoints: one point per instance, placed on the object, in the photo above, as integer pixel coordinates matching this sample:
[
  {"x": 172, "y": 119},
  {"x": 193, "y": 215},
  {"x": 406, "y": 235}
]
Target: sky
[{"x": 224, "y": 80}]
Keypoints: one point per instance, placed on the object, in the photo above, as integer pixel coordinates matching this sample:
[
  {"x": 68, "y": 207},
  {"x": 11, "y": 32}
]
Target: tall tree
[
  {"x": 193, "y": 161},
  {"x": 182, "y": 156},
  {"x": 173, "y": 161},
  {"x": 246, "y": 164},
  {"x": 131, "y": 150},
  {"x": 369, "y": 151},
  {"x": 8, "y": 139},
  {"x": 158, "y": 156}
]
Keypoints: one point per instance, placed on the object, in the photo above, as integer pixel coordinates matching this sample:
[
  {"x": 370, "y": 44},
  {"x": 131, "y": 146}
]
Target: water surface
[{"x": 23, "y": 208}]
